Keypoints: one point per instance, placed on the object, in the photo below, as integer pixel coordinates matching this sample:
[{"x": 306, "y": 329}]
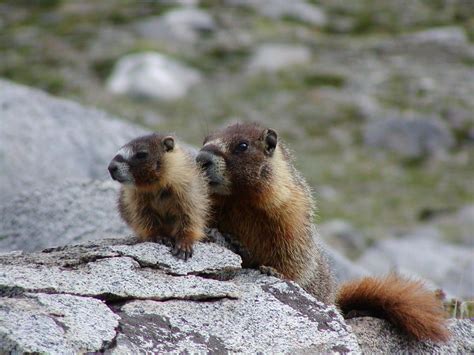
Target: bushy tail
[{"x": 405, "y": 303}]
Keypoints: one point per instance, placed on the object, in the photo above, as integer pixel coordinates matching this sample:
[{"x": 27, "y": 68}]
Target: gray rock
[
  {"x": 152, "y": 75},
  {"x": 441, "y": 35},
  {"x": 64, "y": 213},
  {"x": 459, "y": 226},
  {"x": 343, "y": 268},
  {"x": 45, "y": 140},
  {"x": 296, "y": 9},
  {"x": 409, "y": 138},
  {"x": 183, "y": 24},
  {"x": 247, "y": 312},
  {"x": 343, "y": 236},
  {"x": 448, "y": 266},
  {"x": 271, "y": 315},
  {"x": 53, "y": 301},
  {"x": 465, "y": 221},
  {"x": 110, "y": 277},
  {"x": 55, "y": 324},
  {"x": 271, "y": 57},
  {"x": 378, "y": 336},
  {"x": 459, "y": 120},
  {"x": 218, "y": 259}
]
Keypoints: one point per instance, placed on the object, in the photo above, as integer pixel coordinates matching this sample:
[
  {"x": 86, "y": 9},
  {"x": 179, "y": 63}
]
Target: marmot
[
  {"x": 263, "y": 201},
  {"x": 164, "y": 195}
]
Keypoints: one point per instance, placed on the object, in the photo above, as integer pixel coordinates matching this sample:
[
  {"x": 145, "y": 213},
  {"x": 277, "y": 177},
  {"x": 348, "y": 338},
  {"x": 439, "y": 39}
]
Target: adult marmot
[
  {"x": 163, "y": 194},
  {"x": 262, "y": 200}
]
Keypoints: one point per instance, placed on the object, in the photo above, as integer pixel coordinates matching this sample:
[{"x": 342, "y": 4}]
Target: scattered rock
[
  {"x": 441, "y": 35},
  {"x": 461, "y": 121},
  {"x": 65, "y": 213},
  {"x": 152, "y": 75},
  {"x": 465, "y": 219},
  {"x": 298, "y": 10},
  {"x": 110, "y": 42},
  {"x": 46, "y": 140},
  {"x": 343, "y": 236},
  {"x": 427, "y": 232},
  {"x": 185, "y": 24},
  {"x": 448, "y": 266},
  {"x": 409, "y": 138},
  {"x": 378, "y": 336},
  {"x": 271, "y": 57},
  {"x": 459, "y": 226}
]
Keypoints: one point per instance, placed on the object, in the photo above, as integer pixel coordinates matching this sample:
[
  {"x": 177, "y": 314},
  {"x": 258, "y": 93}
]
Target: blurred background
[{"x": 375, "y": 97}]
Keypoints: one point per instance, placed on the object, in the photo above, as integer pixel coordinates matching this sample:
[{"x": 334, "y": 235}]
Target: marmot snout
[{"x": 164, "y": 195}]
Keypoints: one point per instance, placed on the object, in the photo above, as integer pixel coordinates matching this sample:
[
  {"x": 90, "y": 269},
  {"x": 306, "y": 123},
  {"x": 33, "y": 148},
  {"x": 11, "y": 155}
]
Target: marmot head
[
  {"x": 238, "y": 158},
  {"x": 139, "y": 163}
]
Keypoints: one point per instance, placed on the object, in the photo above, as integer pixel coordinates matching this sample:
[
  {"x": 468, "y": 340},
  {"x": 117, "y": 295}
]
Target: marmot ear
[
  {"x": 270, "y": 138},
  {"x": 168, "y": 143}
]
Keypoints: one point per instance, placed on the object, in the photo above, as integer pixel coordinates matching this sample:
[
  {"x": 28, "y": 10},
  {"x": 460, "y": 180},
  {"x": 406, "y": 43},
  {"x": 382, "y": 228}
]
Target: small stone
[
  {"x": 185, "y": 24},
  {"x": 409, "y": 138},
  {"x": 343, "y": 236},
  {"x": 273, "y": 57},
  {"x": 152, "y": 75},
  {"x": 443, "y": 35},
  {"x": 296, "y": 9}
]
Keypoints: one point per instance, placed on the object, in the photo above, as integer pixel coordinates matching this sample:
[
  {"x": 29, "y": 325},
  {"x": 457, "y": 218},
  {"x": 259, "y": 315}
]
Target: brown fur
[
  {"x": 406, "y": 304},
  {"x": 262, "y": 200},
  {"x": 269, "y": 209},
  {"x": 168, "y": 198}
]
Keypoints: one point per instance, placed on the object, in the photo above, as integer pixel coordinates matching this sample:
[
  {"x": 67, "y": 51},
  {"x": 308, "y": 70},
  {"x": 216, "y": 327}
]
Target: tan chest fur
[{"x": 275, "y": 236}]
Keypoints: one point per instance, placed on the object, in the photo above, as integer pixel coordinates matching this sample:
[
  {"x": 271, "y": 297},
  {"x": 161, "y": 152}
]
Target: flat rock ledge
[{"x": 119, "y": 296}]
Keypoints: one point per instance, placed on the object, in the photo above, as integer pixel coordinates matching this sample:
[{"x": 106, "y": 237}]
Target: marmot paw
[{"x": 182, "y": 250}]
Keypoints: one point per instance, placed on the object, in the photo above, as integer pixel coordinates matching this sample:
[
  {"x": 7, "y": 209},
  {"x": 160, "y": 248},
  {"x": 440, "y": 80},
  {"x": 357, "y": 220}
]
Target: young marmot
[
  {"x": 261, "y": 199},
  {"x": 164, "y": 195}
]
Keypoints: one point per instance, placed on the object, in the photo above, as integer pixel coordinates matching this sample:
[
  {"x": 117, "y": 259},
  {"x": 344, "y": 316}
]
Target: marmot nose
[
  {"x": 113, "y": 168},
  {"x": 205, "y": 159}
]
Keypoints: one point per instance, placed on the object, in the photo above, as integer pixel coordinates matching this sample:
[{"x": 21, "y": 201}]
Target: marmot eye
[
  {"x": 242, "y": 147},
  {"x": 141, "y": 155}
]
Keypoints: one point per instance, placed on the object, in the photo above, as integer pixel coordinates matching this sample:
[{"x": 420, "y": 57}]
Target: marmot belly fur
[
  {"x": 164, "y": 195},
  {"x": 261, "y": 199}
]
